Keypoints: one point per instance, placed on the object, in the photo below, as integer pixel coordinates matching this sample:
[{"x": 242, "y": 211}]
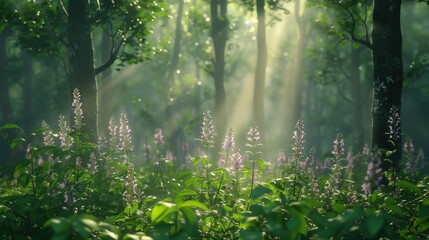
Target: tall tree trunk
[
  {"x": 81, "y": 64},
  {"x": 298, "y": 76},
  {"x": 261, "y": 65},
  {"x": 106, "y": 83},
  {"x": 356, "y": 97},
  {"x": 388, "y": 77},
  {"x": 172, "y": 128},
  {"x": 27, "y": 69},
  {"x": 219, "y": 31},
  {"x": 5, "y": 102}
]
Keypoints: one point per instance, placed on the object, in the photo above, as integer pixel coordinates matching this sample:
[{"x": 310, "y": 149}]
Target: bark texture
[
  {"x": 81, "y": 74},
  {"x": 388, "y": 78}
]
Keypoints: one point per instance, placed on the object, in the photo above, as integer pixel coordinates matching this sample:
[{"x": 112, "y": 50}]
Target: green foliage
[{"x": 92, "y": 191}]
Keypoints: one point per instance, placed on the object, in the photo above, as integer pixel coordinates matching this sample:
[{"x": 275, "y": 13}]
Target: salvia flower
[
  {"x": 229, "y": 142},
  {"x": 113, "y": 132},
  {"x": 408, "y": 146},
  {"x": 130, "y": 195},
  {"x": 158, "y": 137},
  {"x": 298, "y": 140},
  {"x": 77, "y": 109},
  {"x": 338, "y": 146},
  {"x": 281, "y": 157},
  {"x": 207, "y": 129},
  {"x": 102, "y": 141},
  {"x": 253, "y": 136},
  {"x": 236, "y": 160},
  {"x": 373, "y": 176},
  {"x": 394, "y": 124},
  {"x": 125, "y": 143},
  {"x": 92, "y": 165},
  {"x": 48, "y": 139},
  {"x": 65, "y": 140}
]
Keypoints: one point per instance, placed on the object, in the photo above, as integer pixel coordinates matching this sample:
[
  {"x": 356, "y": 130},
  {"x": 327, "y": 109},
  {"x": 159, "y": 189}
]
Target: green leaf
[
  {"x": 251, "y": 235},
  {"x": 339, "y": 208},
  {"x": 374, "y": 223},
  {"x": 184, "y": 193},
  {"x": 11, "y": 126},
  {"x": 161, "y": 210},
  {"x": 58, "y": 224},
  {"x": 15, "y": 142},
  {"x": 259, "y": 191},
  {"x": 408, "y": 186},
  {"x": 261, "y": 163},
  {"x": 136, "y": 236},
  {"x": 193, "y": 203}
]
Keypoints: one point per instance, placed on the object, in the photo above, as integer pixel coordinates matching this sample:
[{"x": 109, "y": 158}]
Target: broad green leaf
[
  {"x": 374, "y": 223},
  {"x": 184, "y": 193},
  {"x": 11, "y": 126},
  {"x": 15, "y": 142},
  {"x": 261, "y": 163},
  {"x": 193, "y": 203},
  {"x": 58, "y": 224},
  {"x": 408, "y": 186},
  {"x": 259, "y": 191},
  {"x": 161, "y": 210}
]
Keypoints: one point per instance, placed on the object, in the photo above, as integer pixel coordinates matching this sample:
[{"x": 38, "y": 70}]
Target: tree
[
  {"x": 219, "y": 34},
  {"x": 5, "y": 28},
  {"x": 386, "y": 46},
  {"x": 261, "y": 65},
  {"x": 56, "y": 28},
  {"x": 388, "y": 79}
]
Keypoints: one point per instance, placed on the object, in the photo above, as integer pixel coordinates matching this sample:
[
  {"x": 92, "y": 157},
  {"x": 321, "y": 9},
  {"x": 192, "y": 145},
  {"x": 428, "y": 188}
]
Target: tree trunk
[
  {"x": 81, "y": 64},
  {"x": 172, "y": 128},
  {"x": 356, "y": 97},
  {"x": 27, "y": 69},
  {"x": 5, "y": 102},
  {"x": 106, "y": 84},
  {"x": 219, "y": 24},
  {"x": 388, "y": 77},
  {"x": 261, "y": 65}
]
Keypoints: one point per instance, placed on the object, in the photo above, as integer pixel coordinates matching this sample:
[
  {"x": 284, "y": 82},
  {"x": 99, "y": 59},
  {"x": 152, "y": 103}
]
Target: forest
[{"x": 214, "y": 119}]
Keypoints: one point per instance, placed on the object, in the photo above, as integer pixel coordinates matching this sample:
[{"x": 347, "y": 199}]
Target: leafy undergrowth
[{"x": 67, "y": 188}]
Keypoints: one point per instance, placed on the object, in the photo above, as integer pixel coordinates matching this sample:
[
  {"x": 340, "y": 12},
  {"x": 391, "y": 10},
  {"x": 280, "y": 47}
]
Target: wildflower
[
  {"x": 102, "y": 141},
  {"x": 130, "y": 193},
  {"x": 229, "y": 142},
  {"x": 65, "y": 140},
  {"x": 113, "y": 132},
  {"x": 394, "y": 124},
  {"x": 350, "y": 160},
  {"x": 125, "y": 143},
  {"x": 48, "y": 139},
  {"x": 236, "y": 160},
  {"x": 281, "y": 157},
  {"x": 146, "y": 149},
  {"x": 338, "y": 146},
  {"x": 373, "y": 176},
  {"x": 298, "y": 138},
  {"x": 207, "y": 129},
  {"x": 92, "y": 165},
  {"x": 77, "y": 109},
  {"x": 159, "y": 137},
  {"x": 408, "y": 146},
  {"x": 253, "y": 136},
  {"x": 169, "y": 156},
  {"x": 78, "y": 162}
]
